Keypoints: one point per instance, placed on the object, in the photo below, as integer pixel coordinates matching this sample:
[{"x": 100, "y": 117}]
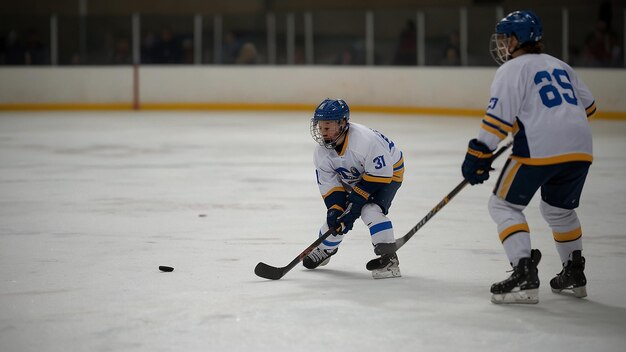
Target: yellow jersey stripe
[
  {"x": 498, "y": 123},
  {"x": 345, "y": 144},
  {"x": 513, "y": 230},
  {"x": 493, "y": 131},
  {"x": 338, "y": 208},
  {"x": 333, "y": 190},
  {"x": 565, "y": 158},
  {"x": 504, "y": 189},
  {"x": 591, "y": 110},
  {"x": 378, "y": 179},
  {"x": 568, "y": 236},
  {"x": 398, "y": 163},
  {"x": 398, "y": 176},
  {"x": 398, "y": 170}
]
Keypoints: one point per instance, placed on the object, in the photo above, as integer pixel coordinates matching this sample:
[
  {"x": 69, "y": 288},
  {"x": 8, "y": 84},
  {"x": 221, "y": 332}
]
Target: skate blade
[
  {"x": 324, "y": 262},
  {"x": 386, "y": 273},
  {"x": 516, "y": 297},
  {"x": 578, "y": 292}
]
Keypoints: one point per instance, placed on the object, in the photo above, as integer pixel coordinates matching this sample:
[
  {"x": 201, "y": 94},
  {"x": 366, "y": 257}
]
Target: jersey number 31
[{"x": 550, "y": 94}]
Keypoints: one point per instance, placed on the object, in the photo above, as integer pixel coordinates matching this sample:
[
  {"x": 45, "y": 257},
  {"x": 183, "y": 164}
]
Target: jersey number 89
[{"x": 550, "y": 94}]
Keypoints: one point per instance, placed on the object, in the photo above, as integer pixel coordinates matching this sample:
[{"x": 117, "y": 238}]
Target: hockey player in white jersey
[
  {"x": 541, "y": 101},
  {"x": 358, "y": 171}
]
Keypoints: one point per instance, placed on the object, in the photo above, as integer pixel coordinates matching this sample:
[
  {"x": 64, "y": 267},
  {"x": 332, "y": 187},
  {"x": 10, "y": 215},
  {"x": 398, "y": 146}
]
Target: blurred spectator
[
  {"x": 353, "y": 55},
  {"x": 452, "y": 51},
  {"x": 230, "y": 48},
  {"x": 602, "y": 47},
  {"x": 34, "y": 50},
  {"x": 14, "y": 50},
  {"x": 167, "y": 50},
  {"x": 346, "y": 57},
  {"x": 248, "y": 55},
  {"x": 147, "y": 47},
  {"x": 187, "y": 48},
  {"x": 452, "y": 57},
  {"x": 121, "y": 53},
  {"x": 406, "y": 52},
  {"x": 23, "y": 50}
]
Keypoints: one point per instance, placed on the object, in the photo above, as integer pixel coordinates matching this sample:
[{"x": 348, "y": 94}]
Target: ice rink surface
[{"x": 92, "y": 203}]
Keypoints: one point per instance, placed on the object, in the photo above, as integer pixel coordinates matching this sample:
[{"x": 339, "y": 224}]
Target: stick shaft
[{"x": 402, "y": 240}]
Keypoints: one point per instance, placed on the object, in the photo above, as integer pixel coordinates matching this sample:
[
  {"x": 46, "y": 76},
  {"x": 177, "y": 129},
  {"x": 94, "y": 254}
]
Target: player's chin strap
[{"x": 333, "y": 144}]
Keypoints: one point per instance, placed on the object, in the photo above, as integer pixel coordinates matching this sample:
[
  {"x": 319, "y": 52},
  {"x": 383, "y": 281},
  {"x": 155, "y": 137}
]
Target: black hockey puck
[{"x": 166, "y": 268}]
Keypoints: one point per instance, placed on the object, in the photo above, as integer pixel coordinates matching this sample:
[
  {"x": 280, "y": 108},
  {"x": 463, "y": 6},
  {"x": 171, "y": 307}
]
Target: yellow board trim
[
  {"x": 406, "y": 110},
  {"x": 65, "y": 107}
]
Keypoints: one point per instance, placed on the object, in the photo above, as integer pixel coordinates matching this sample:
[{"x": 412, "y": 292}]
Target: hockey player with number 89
[
  {"x": 358, "y": 171},
  {"x": 542, "y": 102}
]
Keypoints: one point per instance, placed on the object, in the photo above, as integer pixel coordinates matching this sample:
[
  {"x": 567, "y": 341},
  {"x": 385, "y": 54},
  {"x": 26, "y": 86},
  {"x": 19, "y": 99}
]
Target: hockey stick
[
  {"x": 402, "y": 240},
  {"x": 271, "y": 272},
  {"x": 274, "y": 273}
]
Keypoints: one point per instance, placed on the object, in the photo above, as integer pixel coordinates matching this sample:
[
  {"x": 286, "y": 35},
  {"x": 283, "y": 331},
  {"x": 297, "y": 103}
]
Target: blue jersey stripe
[{"x": 380, "y": 227}]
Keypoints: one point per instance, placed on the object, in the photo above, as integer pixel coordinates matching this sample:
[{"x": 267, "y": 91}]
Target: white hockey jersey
[
  {"x": 366, "y": 154},
  {"x": 545, "y": 105}
]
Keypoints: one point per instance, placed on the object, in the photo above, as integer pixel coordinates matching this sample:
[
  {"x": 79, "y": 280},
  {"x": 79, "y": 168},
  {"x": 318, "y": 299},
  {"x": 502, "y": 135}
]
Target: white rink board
[
  {"x": 92, "y": 203},
  {"x": 459, "y": 88}
]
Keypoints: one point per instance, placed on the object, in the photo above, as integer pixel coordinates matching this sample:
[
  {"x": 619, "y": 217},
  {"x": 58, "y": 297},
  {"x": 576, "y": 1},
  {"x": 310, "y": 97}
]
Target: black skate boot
[
  {"x": 318, "y": 257},
  {"x": 572, "y": 278},
  {"x": 385, "y": 266},
  {"x": 522, "y": 286}
]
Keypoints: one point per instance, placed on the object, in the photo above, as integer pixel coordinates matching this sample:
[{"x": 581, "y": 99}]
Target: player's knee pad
[
  {"x": 558, "y": 217},
  {"x": 372, "y": 213},
  {"x": 502, "y": 211},
  {"x": 508, "y": 217},
  {"x": 380, "y": 227},
  {"x": 563, "y": 222}
]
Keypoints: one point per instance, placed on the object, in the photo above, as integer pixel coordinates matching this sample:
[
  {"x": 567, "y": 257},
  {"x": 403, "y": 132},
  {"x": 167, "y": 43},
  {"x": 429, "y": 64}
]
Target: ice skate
[
  {"x": 523, "y": 284},
  {"x": 318, "y": 257},
  {"x": 385, "y": 266},
  {"x": 571, "y": 280}
]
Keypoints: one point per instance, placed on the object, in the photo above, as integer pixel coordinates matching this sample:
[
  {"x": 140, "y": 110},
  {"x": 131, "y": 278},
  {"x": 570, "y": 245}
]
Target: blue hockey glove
[
  {"x": 477, "y": 163},
  {"x": 332, "y": 220},
  {"x": 356, "y": 200}
]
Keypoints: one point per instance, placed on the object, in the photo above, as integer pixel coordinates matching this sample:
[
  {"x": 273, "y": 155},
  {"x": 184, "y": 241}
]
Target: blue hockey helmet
[
  {"x": 330, "y": 110},
  {"x": 525, "y": 25}
]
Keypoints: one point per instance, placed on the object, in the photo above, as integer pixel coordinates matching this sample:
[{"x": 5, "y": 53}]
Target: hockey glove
[
  {"x": 332, "y": 219},
  {"x": 477, "y": 163},
  {"x": 356, "y": 200}
]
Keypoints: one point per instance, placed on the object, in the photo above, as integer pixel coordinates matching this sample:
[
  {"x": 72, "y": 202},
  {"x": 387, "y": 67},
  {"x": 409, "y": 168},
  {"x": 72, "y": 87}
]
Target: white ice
[{"x": 92, "y": 203}]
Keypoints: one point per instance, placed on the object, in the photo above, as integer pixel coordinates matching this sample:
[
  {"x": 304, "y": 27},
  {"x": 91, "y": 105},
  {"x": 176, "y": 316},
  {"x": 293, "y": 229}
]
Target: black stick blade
[{"x": 268, "y": 272}]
